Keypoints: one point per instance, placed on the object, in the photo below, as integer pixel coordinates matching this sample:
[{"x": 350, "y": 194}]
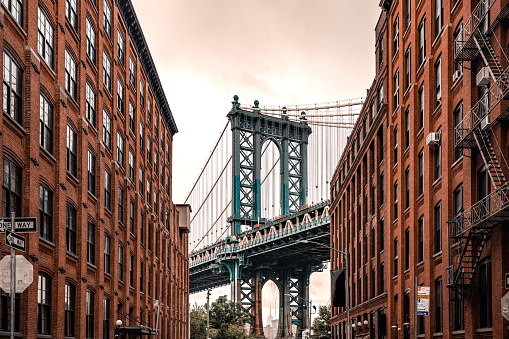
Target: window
[
  {"x": 156, "y": 126},
  {"x": 142, "y": 232},
  {"x": 131, "y": 270},
  {"x": 381, "y": 184},
  {"x": 149, "y": 156},
  {"x": 420, "y": 250},
  {"x": 381, "y": 52},
  {"x": 46, "y": 118},
  {"x": 71, "y": 75},
  {"x": 459, "y": 311},
  {"x": 438, "y": 227},
  {"x": 13, "y": 93},
  {"x": 437, "y": 158},
  {"x": 120, "y": 149},
  {"x": 70, "y": 229},
  {"x": 106, "y": 318},
  {"x": 457, "y": 121},
  {"x": 71, "y": 13},
  {"x": 107, "y": 255},
  {"x": 142, "y": 95},
  {"x": 168, "y": 186},
  {"x": 45, "y": 213},
  {"x": 90, "y": 242},
  {"x": 382, "y": 278},
  {"x": 120, "y": 97},
  {"x": 131, "y": 166},
  {"x": 149, "y": 285},
  {"x": 438, "y": 305},
  {"x": 395, "y": 256},
  {"x": 149, "y": 112},
  {"x": 91, "y": 172},
  {"x": 131, "y": 117},
  {"x": 395, "y": 40},
  {"x": 90, "y": 104},
  {"x": 45, "y": 38},
  {"x": 408, "y": 16},
  {"x": 396, "y": 145},
  {"x": 407, "y": 249},
  {"x": 421, "y": 107},
  {"x": 380, "y": 95},
  {"x": 70, "y": 303},
  {"x": 142, "y": 273},
  {"x": 132, "y": 72},
  {"x": 457, "y": 198},
  {"x": 120, "y": 263},
  {"x": 142, "y": 147},
  {"x": 120, "y": 47},
  {"x": 420, "y": 161},
  {"x": 11, "y": 188},
  {"x": 90, "y": 41},
  {"x": 71, "y": 151},
  {"x": 407, "y": 127},
  {"x": 396, "y": 90},
  {"x": 120, "y": 205},
  {"x": 396, "y": 200},
  {"x": 371, "y": 116},
  {"x": 107, "y": 71},
  {"x": 458, "y": 44},
  {"x": 438, "y": 82},
  {"x": 44, "y": 304},
  {"x": 439, "y": 16},
  {"x": 149, "y": 197},
  {"x": 407, "y": 187},
  {"x": 107, "y": 190},
  {"x": 485, "y": 297},
  {"x": 141, "y": 191},
  {"x": 107, "y": 18},
  {"x": 408, "y": 66},
  {"x": 106, "y": 130},
  {"x": 90, "y": 315},
  {"x": 131, "y": 217},
  {"x": 422, "y": 41}
]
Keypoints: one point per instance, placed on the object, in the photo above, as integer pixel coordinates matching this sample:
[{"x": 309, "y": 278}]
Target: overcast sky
[{"x": 280, "y": 52}]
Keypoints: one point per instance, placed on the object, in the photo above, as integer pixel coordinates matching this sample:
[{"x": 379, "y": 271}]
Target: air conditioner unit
[
  {"x": 485, "y": 122},
  {"x": 433, "y": 139},
  {"x": 483, "y": 77},
  {"x": 456, "y": 75}
]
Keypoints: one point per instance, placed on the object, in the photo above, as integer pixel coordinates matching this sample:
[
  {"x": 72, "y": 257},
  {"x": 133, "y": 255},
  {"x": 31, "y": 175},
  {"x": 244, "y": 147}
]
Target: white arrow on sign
[{"x": 24, "y": 274}]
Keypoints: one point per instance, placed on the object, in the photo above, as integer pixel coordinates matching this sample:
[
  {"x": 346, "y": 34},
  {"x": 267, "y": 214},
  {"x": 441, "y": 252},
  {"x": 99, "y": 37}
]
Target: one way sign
[{"x": 15, "y": 240}]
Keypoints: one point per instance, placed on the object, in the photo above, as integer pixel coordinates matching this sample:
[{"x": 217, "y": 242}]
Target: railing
[
  {"x": 481, "y": 211},
  {"x": 230, "y": 249},
  {"x": 469, "y": 27},
  {"x": 482, "y": 108}
]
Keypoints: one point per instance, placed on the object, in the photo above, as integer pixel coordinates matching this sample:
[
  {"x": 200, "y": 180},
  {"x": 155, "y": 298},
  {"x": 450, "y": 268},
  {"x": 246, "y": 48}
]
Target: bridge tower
[{"x": 251, "y": 129}]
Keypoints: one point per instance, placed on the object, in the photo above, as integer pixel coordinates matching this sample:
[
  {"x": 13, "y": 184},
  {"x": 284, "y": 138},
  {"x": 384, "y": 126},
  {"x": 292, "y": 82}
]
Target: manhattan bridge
[{"x": 263, "y": 189}]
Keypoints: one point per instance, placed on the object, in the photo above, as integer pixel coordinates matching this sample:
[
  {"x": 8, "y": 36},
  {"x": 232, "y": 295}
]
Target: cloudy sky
[{"x": 280, "y": 52}]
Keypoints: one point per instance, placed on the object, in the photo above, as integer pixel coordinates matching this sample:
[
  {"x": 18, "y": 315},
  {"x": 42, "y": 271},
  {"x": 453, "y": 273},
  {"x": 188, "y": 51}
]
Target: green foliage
[
  {"x": 198, "y": 322},
  {"x": 321, "y": 324}
]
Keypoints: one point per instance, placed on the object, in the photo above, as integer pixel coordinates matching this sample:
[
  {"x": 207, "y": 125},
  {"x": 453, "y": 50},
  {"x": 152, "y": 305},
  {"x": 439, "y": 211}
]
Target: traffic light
[{"x": 338, "y": 286}]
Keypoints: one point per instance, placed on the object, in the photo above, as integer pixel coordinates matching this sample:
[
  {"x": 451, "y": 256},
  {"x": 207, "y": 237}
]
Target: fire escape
[{"x": 470, "y": 229}]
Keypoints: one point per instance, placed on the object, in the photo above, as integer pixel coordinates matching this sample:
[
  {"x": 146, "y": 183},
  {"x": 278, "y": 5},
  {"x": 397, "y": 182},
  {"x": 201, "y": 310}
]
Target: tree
[
  {"x": 198, "y": 323},
  {"x": 321, "y": 324},
  {"x": 227, "y": 319}
]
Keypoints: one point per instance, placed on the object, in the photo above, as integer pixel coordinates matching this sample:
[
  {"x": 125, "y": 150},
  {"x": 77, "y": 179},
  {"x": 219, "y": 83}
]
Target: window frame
[
  {"x": 45, "y": 212},
  {"x": 46, "y": 119}
]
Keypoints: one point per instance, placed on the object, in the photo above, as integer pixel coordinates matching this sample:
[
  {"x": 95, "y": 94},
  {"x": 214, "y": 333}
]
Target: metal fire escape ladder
[{"x": 470, "y": 229}]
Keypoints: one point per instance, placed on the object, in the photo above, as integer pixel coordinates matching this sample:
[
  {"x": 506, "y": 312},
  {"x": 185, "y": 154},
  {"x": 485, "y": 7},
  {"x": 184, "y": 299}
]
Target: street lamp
[{"x": 345, "y": 253}]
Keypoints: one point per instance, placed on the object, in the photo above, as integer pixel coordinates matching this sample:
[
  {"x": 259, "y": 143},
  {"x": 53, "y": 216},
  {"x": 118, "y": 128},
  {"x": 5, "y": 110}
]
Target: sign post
[
  {"x": 505, "y": 305},
  {"x": 13, "y": 280}
]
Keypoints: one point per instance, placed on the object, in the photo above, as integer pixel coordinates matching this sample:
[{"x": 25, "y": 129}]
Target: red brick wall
[{"x": 21, "y": 142}]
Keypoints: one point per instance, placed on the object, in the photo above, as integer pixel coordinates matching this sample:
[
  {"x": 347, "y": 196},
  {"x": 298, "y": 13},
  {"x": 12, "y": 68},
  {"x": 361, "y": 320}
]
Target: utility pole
[{"x": 208, "y": 311}]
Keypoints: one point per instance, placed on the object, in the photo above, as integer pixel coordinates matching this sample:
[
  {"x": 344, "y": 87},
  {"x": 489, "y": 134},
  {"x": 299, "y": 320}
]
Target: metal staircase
[{"x": 470, "y": 229}]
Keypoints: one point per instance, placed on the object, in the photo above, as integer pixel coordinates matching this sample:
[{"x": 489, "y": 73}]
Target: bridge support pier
[{"x": 285, "y": 314}]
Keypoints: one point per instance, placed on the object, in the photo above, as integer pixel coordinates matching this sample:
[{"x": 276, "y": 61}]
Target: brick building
[
  {"x": 95, "y": 169},
  {"x": 419, "y": 196}
]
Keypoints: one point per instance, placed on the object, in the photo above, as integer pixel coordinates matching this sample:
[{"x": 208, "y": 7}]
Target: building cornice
[{"x": 133, "y": 26}]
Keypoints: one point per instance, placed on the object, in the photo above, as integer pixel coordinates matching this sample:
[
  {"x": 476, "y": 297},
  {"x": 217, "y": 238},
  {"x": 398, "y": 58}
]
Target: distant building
[
  {"x": 420, "y": 191},
  {"x": 87, "y": 138}
]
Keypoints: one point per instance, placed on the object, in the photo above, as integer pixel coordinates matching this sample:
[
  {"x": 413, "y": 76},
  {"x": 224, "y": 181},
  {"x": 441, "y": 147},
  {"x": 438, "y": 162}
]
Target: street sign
[
  {"x": 22, "y": 225},
  {"x": 423, "y": 300},
  {"x": 507, "y": 280},
  {"x": 24, "y": 274},
  {"x": 15, "y": 240},
  {"x": 505, "y": 305}
]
